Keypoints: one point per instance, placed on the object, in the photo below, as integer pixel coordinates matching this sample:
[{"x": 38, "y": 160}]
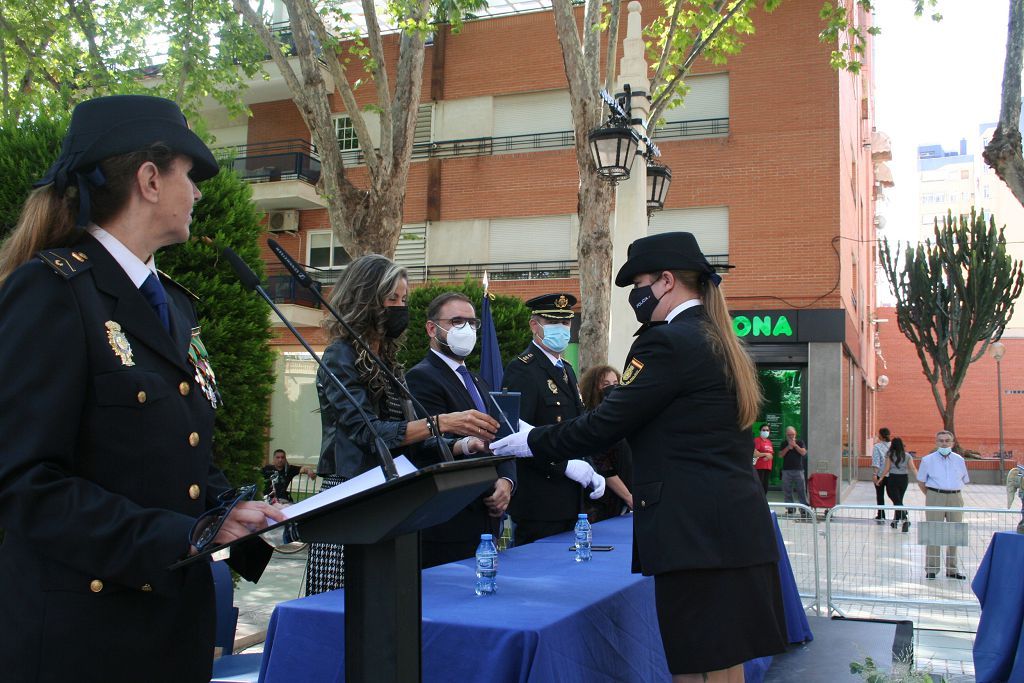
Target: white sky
[{"x": 935, "y": 83}]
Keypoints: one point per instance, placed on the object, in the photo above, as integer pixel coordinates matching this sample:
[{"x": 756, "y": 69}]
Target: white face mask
[
  {"x": 764, "y": 433},
  {"x": 461, "y": 341}
]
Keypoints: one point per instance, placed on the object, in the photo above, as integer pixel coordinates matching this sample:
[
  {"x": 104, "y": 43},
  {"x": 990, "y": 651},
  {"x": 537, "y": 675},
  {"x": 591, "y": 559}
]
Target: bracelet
[
  {"x": 437, "y": 423},
  {"x": 431, "y": 426}
]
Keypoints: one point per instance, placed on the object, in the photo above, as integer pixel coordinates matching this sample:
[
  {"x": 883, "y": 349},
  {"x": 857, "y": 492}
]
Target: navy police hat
[
  {"x": 557, "y": 306},
  {"x": 667, "y": 251},
  {"x": 119, "y": 124}
]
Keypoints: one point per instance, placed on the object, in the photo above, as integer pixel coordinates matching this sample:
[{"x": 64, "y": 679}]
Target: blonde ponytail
[
  {"x": 46, "y": 221},
  {"x": 738, "y": 365}
]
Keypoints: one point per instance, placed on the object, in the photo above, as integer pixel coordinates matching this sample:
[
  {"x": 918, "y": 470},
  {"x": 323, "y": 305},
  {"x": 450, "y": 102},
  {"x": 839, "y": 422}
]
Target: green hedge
[
  {"x": 26, "y": 151},
  {"x": 511, "y": 322}
]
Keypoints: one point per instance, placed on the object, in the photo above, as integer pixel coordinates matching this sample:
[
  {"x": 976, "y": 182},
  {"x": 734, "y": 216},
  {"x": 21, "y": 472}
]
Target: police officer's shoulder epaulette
[
  {"x": 67, "y": 261},
  {"x": 526, "y": 357},
  {"x": 169, "y": 280}
]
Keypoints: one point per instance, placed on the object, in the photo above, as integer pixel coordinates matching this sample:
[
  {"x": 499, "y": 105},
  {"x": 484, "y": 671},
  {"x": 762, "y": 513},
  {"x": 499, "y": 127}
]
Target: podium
[{"x": 379, "y": 528}]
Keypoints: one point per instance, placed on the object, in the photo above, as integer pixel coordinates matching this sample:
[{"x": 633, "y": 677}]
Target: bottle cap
[
  {"x": 582, "y": 515},
  {"x": 486, "y": 537}
]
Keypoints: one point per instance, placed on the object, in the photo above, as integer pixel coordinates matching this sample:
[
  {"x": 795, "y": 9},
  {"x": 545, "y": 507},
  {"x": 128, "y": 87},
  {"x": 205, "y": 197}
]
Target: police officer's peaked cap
[
  {"x": 120, "y": 124},
  {"x": 667, "y": 251},
  {"x": 557, "y": 306}
]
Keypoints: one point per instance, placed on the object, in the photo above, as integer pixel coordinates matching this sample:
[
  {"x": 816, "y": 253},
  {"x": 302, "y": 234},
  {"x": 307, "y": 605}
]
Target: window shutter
[
  {"x": 538, "y": 238},
  {"x": 709, "y": 224},
  {"x": 541, "y": 112},
  {"x": 708, "y": 99},
  {"x": 411, "y": 252}
]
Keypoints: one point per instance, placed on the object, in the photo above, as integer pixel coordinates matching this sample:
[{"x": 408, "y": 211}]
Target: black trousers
[
  {"x": 529, "y": 530},
  {"x": 896, "y": 487},
  {"x": 880, "y": 497}
]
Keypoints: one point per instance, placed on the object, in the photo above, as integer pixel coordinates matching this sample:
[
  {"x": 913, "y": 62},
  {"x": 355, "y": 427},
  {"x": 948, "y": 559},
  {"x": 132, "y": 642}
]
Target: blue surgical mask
[
  {"x": 556, "y": 337},
  {"x": 945, "y": 450}
]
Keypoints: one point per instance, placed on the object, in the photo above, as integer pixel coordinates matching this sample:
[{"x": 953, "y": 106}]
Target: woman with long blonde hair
[{"x": 702, "y": 528}]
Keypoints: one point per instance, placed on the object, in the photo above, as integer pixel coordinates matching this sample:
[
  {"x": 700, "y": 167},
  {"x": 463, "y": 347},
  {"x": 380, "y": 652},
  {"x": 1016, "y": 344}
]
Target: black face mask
[
  {"x": 643, "y": 302},
  {"x": 396, "y": 319}
]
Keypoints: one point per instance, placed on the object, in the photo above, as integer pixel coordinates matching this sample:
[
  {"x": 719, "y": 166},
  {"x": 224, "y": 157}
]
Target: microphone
[
  {"x": 303, "y": 278},
  {"x": 252, "y": 283}
]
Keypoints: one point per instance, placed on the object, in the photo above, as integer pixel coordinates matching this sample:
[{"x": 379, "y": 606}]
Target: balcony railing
[
  {"x": 488, "y": 146},
  {"x": 511, "y": 270},
  {"x": 275, "y": 160},
  {"x": 283, "y": 288}
]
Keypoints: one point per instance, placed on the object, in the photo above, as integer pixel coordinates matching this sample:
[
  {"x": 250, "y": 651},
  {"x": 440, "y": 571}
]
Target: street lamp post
[{"x": 998, "y": 350}]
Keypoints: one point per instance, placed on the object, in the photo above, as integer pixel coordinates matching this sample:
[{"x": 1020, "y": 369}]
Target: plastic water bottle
[
  {"x": 584, "y": 535},
  {"x": 486, "y": 566}
]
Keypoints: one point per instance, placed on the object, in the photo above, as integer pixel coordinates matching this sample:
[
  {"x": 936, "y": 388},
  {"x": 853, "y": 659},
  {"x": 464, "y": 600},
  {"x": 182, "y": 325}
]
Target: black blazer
[
  {"x": 105, "y": 463},
  {"x": 545, "y": 493},
  {"x": 696, "y": 504},
  {"x": 440, "y": 390}
]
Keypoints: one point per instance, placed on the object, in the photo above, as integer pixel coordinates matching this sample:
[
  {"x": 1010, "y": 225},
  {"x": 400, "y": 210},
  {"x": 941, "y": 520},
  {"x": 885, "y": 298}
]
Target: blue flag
[{"x": 491, "y": 369}]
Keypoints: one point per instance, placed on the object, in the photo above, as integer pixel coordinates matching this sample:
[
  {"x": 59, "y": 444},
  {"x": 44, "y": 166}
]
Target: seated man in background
[{"x": 279, "y": 474}]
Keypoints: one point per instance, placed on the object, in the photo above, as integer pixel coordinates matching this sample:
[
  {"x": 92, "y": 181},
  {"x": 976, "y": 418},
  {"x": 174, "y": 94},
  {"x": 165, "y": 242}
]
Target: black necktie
[{"x": 157, "y": 298}]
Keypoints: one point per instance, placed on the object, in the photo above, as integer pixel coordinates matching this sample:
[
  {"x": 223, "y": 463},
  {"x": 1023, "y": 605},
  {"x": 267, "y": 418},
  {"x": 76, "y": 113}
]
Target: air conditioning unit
[{"x": 283, "y": 221}]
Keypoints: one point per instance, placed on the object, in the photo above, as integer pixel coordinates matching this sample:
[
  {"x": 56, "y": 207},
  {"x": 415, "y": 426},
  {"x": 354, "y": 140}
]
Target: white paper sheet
[{"x": 364, "y": 481}]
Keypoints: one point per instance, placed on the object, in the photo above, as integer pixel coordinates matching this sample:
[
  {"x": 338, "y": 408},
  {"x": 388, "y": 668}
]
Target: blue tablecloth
[
  {"x": 552, "y": 619},
  {"x": 999, "y": 585}
]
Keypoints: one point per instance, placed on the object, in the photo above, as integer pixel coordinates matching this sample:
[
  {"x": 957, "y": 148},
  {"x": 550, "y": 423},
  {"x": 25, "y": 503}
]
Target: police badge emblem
[
  {"x": 199, "y": 357},
  {"x": 562, "y": 301},
  {"x": 552, "y": 386},
  {"x": 632, "y": 371},
  {"x": 119, "y": 343}
]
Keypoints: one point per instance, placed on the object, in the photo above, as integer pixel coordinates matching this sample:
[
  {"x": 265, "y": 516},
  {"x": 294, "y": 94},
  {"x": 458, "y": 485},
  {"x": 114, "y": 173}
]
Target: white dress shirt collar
[
  {"x": 132, "y": 265},
  {"x": 551, "y": 357},
  {"x": 689, "y": 303},
  {"x": 450, "y": 362}
]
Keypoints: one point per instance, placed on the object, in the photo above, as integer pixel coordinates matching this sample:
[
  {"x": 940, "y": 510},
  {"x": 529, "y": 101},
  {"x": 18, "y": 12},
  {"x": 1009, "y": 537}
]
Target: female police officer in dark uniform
[
  {"x": 686, "y": 401},
  {"x": 107, "y": 411}
]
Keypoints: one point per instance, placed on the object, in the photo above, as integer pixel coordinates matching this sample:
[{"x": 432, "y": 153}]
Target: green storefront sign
[{"x": 767, "y": 325}]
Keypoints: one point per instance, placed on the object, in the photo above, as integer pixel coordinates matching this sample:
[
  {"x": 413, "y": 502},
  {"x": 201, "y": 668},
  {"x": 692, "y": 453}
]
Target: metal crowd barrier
[
  {"x": 801, "y": 531},
  {"x": 303, "y": 487},
  {"x": 847, "y": 563},
  {"x": 874, "y": 570}
]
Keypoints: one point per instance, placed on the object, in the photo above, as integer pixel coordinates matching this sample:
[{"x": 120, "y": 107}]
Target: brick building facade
[{"x": 771, "y": 167}]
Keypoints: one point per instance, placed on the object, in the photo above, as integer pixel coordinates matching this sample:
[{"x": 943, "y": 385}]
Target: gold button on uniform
[
  {"x": 95, "y": 585},
  {"x": 146, "y": 588},
  {"x": 184, "y": 388},
  {"x": 643, "y": 503},
  {"x": 141, "y": 396},
  {"x": 193, "y": 439},
  {"x": 193, "y": 491}
]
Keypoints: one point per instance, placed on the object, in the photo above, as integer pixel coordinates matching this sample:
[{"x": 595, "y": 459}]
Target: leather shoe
[
  {"x": 906, "y": 526},
  {"x": 955, "y": 575},
  {"x": 930, "y": 575}
]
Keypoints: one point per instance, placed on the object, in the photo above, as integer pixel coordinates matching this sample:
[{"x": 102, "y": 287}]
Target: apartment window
[
  {"x": 423, "y": 132},
  {"x": 411, "y": 251},
  {"x": 325, "y": 251},
  {"x": 346, "y": 133}
]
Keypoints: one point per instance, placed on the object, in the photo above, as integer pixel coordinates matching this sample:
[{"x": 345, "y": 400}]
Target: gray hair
[{"x": 945, "y": 431}]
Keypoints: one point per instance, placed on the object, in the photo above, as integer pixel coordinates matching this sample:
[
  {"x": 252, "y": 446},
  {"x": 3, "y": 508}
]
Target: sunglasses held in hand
[{"x": 209, "y": 523}]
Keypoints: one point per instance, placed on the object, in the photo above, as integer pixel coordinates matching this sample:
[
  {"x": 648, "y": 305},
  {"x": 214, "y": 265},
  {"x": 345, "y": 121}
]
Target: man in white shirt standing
[{"x": 941, "y": 478}]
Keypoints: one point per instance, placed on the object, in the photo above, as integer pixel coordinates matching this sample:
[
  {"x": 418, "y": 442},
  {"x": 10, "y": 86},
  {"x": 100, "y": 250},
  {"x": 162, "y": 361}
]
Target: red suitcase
[{"x": 822, "y": 489}]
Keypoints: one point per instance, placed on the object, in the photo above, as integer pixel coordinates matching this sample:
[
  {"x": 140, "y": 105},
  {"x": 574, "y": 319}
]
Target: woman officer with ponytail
[{"x": 688, "y": 395}]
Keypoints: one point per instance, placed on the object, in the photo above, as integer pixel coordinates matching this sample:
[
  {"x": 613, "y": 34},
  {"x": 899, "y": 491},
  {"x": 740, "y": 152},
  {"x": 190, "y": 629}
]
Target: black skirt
[{"x": 712, "y": 619}]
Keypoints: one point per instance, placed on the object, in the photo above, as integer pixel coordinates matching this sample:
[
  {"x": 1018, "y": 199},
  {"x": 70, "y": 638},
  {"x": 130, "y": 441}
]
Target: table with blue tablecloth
[
  {"x": 999, "y": 585},
  {"x": 552, "y": 619}
]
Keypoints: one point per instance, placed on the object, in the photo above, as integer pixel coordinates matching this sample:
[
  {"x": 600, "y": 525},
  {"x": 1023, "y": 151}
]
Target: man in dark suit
[
  {"x": 108, "y": 414},
  {"x": 443, "y": 384},
  {"x": 548, "y": 500}
]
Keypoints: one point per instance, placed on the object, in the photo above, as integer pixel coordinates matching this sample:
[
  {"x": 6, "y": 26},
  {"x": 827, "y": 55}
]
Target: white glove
[
  {"x": 581, "y": 472},
  {"x": 515, "y": 444}
]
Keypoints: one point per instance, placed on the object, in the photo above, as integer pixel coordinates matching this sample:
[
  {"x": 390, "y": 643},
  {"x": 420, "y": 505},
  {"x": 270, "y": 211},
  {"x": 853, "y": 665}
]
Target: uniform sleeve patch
[
  {"x": 632, "y": 371},
  {"x": 526, "y": 357}
]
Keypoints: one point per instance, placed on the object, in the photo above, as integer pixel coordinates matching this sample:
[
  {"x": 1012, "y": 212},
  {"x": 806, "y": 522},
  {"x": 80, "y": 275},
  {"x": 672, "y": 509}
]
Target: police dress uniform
[
  {"x": 106, "y": 464},
  {"x": 546, "y": 501},
  {"x": 105, "y": 460},
  {"x": 702, "y": 527}
]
